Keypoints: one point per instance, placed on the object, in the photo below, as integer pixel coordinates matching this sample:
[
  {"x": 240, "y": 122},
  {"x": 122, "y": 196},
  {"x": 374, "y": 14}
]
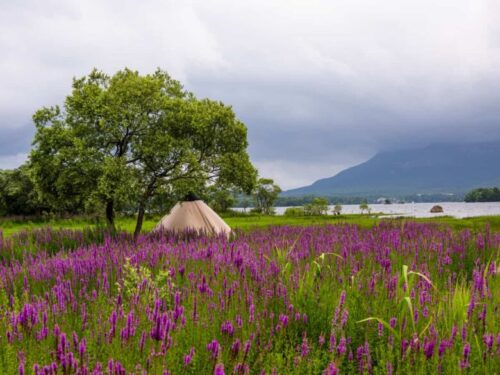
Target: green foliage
[
  {"x": 286, "y": 201},
  {"x": 265, "y": 194},
  {"x": 483, "y": 195},
  {"x": 28, "y": 242},
  {"x": 17, "y": 194},
  {"x": 319, "y": 206},
  {"x": 337, "y": 209},
  {"x": 122, "y": 141},
  {"x": 245, "y": 221},
  {"x": 137, "y": 278},
  {"x": 363, "y": 207},
  {"x": 458, "y": 303},
  {"x": 132, "y": 278},
  {"x": 294, "y": 211},
  {"x": 220, "y": 198}
]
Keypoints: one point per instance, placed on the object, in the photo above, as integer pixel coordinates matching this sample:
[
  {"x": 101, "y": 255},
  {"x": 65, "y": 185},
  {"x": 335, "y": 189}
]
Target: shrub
[{"x": 294, "y": 211}]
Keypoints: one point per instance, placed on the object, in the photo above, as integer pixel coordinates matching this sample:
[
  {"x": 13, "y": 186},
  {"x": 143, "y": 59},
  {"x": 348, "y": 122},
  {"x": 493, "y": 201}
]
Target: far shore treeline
[
  {"x": 343, "y": 199},
  {"x": 483, "y": 195}
]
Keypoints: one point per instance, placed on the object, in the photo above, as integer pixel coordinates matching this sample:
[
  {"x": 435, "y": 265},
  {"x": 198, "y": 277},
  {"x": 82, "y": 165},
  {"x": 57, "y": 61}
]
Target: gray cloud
[
  {"x": 15, "y": 139},
  {"x": 321, "y": 85}
]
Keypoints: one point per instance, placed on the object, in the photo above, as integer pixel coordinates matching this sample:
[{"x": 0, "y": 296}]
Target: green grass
[
  {"x": 474, "y": 223},
  {"x": 247, "y": 222},
  {"x": 250, "y": 222},
  {"x": 9, "y": 227}
]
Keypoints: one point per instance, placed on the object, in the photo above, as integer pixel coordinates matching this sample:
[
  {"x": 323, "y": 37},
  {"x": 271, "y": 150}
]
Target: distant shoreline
[{"x": 417, "y": 210}]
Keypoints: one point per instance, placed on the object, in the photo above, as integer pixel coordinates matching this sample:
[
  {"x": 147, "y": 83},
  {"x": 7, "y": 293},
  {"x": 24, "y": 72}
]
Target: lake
[{"x": 455, "y": 209}]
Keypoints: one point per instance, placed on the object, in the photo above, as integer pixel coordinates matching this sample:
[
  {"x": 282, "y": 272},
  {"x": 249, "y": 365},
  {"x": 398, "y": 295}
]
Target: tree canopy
[
  {"x": 319, "y": 206},
  {"x": 17, "y": 194},
  {"x": 122, "y": 141},
  {"x": 483, "y": 195},
  {"x": 337, "y": 209},
  {"x": 364, "y": 207}
]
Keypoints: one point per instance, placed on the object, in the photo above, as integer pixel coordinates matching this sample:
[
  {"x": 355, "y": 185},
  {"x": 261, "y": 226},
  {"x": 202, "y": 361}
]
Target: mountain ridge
[{"x": 437, "y": 168}]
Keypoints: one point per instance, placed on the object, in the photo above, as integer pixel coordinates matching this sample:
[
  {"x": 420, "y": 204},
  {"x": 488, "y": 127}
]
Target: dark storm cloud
[
  {"x": 311, "y": 122},
  {"x": 321, "y": 85},
  {"x": 14, "y": 140}
]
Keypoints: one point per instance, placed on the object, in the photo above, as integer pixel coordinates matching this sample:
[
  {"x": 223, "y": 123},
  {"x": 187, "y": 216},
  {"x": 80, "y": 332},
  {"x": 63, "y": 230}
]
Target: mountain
[{"x": 439, "y": 168}]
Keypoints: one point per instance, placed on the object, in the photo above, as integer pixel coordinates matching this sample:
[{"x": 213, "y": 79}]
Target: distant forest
[
  {"x": 242, "y": 201},
  {"x": 483, "y": 195}
]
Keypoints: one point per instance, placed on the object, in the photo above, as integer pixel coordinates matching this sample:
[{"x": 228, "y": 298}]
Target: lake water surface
[{"x": 456, "y": 209}]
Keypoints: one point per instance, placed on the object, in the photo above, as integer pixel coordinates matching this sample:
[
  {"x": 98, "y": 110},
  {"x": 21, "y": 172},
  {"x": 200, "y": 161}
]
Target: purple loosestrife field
[{"x": 393, "y": 299}]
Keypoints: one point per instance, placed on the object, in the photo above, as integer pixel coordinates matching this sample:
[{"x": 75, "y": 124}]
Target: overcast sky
[{"x": 321, "y": 85}]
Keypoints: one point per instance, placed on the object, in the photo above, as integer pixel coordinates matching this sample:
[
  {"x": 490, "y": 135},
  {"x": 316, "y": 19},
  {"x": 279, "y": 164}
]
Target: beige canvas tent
[{"x": 193, "y": 214}]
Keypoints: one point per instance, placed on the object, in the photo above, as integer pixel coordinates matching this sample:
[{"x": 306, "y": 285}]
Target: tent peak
[{"x": 191, "y": 197}]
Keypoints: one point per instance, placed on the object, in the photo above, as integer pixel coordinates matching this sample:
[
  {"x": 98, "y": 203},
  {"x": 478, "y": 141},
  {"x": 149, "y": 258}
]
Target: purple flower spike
[
  {"x": 214, "y": 348},
  {"x": 189, "y": 357},
  {"x": 331, "y": 370},
  {"x": 219, "y": 369},
  {"x": 429, "y": 349}
]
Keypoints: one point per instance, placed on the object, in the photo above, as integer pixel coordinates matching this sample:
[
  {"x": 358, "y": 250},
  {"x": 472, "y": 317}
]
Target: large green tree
[{"x": 130, "y": 137}]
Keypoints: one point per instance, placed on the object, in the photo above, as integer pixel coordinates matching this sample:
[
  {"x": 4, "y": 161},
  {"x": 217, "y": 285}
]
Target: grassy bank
[{"x": 246, "y": 222}]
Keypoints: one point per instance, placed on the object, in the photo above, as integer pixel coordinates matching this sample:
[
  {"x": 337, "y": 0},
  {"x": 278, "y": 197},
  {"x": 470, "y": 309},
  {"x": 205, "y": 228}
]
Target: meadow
[
  {"x": 9, "y": 226},
  {"x": 319, "y": 295}
]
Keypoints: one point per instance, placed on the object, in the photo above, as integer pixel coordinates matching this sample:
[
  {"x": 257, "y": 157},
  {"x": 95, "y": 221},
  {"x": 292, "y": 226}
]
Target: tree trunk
[
  {"x": 140, "y": 218},
  {"x": 110, "y": 214},
  {"x": 142, "y": 207}
]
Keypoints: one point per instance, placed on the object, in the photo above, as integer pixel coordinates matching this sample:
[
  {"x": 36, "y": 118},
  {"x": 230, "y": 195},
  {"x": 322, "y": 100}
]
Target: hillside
[{"x": 438, "y": 168}]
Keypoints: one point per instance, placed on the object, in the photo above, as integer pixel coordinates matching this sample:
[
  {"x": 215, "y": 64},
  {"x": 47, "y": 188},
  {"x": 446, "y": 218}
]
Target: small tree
[
  {"x": 265, "y": 194},
  {"x": 337, "y": 209},
  {"x": 364, "y": 207},
  {"x": 245, "y": 204},
  {"x": 318, "y": 206},
  {"x": 321, "y": 205}
]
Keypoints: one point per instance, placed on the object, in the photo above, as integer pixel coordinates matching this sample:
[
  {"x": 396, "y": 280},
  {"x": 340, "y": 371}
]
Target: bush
[
  {"x": 257, "y": 210},
  {"x": 319, "y": 206},
  {"x": 294, "y": 211}
]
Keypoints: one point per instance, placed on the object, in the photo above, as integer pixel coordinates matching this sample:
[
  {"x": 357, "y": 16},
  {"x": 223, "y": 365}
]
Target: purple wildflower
[
  {"x": 464, "y": 362},
  {"x": 219, "y": 369},
  {"x": 304, "y": 347},
  {"x": 214, "y": 348},
  {"x": 241, "y": 369},
  {"x": 235, "y": 347},
  {"x": 331, "y": 369},
  {"x": 189, "y": 357},
  {"x": 283, "y": 319},
  {"x": 227, "y": 328},
  {"x": 429, "y": 348},
  {"x": 321, "y": 340},
  {"x": 342, "y": 348},
  {"x": 488, "y": 341},
  {"x": 342, "y": 298}
]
